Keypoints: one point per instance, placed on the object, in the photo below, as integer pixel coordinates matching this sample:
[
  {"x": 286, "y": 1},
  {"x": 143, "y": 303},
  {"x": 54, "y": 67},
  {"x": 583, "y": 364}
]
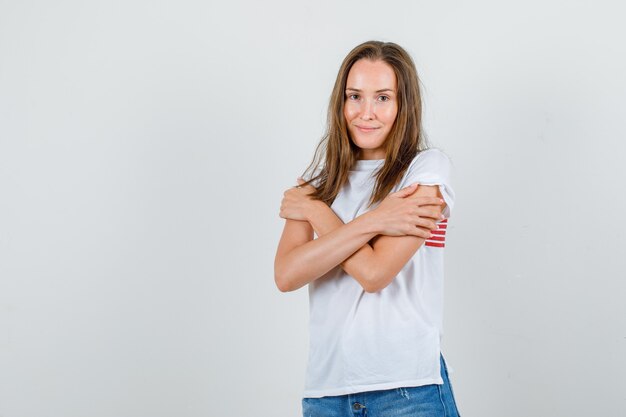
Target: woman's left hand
[{"x": 296, "y": 202}]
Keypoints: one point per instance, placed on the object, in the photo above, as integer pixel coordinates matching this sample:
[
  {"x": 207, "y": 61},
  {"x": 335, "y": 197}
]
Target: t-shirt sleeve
[
  {"x": 312, "y": 174},
  {"x": 432, "y": 167}
]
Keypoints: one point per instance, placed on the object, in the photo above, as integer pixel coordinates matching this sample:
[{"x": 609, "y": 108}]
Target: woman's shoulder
[
  {"x": 430, "y": 158},
  {"x": 313, "y": 173},
  {"x": 431, "y": 153}
]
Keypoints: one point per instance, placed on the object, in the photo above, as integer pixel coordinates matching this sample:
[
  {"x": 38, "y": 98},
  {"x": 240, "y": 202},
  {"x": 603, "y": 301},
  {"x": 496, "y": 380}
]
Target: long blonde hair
[{"x": 336, "y": 154}]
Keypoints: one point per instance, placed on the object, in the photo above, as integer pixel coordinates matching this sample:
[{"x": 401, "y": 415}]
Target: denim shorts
[{"x": 424, "y": 401}]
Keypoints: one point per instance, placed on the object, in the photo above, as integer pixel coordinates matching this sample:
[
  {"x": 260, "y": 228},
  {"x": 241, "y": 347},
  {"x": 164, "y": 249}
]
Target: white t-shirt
[{"x": 363, "y": 341}]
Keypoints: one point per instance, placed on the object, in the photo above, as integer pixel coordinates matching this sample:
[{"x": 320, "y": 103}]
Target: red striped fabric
[
  {"x": 435, "y": 244},
  {"x": 439, "y": 236}
]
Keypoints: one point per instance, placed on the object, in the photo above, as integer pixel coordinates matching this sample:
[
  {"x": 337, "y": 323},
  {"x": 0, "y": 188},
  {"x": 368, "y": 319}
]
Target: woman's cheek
[
  {"x": 390, "y": 113},
  {"x": 350, "y": 110}
]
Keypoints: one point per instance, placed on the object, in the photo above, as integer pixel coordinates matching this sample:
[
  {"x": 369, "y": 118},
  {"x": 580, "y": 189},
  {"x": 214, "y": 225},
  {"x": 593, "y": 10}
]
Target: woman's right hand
[{"x": 402, "y": 213}]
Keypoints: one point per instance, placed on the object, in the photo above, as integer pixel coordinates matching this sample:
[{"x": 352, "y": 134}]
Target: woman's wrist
[
  {"x": 314, "y": 209},
  {"x": 370, "y": 222}
]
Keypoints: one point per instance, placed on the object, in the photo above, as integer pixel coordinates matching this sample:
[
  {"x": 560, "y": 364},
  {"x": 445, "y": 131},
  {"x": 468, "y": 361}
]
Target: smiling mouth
[{"x": 366, "y": 129}]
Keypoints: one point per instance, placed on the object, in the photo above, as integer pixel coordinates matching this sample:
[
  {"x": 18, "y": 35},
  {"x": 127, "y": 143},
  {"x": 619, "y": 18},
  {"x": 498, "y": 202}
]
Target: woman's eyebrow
[{"x": 377, "y": 91}]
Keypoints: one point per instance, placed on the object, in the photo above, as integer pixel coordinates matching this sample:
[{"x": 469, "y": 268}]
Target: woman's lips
[{"x": 366, "y": 129}]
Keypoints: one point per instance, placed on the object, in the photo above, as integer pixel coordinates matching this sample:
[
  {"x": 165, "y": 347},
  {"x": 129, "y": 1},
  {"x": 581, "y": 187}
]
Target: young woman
[{"x": 378, "y": 201}]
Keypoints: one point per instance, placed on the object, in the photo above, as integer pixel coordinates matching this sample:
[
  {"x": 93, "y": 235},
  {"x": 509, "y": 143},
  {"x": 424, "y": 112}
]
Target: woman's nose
[{"x": 367, "y": 111}]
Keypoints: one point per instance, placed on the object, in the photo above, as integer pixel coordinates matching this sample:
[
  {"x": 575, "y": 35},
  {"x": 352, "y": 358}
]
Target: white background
[{"x": 145, "y": 147}]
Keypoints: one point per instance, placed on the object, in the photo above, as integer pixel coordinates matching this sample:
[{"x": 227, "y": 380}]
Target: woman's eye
[
  {"x": 353, "y": 96},
  {"x": 383, "y": 98}
]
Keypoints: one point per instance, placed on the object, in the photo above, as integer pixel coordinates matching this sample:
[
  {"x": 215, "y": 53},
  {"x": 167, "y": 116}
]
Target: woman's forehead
[{"x": 371, "y": 76}]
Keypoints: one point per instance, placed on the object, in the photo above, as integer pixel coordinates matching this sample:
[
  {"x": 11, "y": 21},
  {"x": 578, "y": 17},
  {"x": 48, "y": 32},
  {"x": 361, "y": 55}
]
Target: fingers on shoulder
[
  {"x": 431, "y": 194},
  {"x": 428, "y": 191}
]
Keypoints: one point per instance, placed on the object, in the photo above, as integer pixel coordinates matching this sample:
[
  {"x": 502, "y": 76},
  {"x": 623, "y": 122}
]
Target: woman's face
[{"x": 370, "y": 106}]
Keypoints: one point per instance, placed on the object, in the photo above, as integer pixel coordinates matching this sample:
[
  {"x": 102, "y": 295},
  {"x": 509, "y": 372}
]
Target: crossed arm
[{"x": 372, "y": 248}]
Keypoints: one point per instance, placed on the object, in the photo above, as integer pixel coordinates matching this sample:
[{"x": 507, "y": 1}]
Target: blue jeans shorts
[{"x": 425, "y": 401}]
